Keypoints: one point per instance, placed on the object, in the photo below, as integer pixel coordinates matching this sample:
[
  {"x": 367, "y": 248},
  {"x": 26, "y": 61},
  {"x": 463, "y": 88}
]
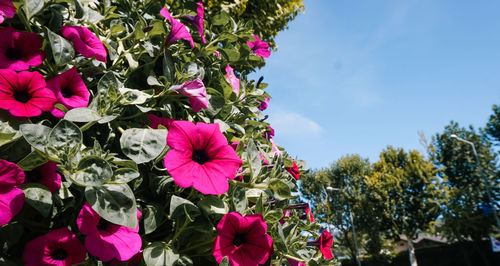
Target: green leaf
[
  {"x": 168, "y": 67},
  {"x": 179, "y": 206},
  {"x": 10, "y": 234},
  {"x": 254, "y": 158},
  {"x": 240, "y": 201},
  {"x": 124, "y": 175},
  {"x": 213, "y": 205},
  {"x": 32, "y": 7},
  {"x": 280, "y": 188},
  {"x": 82, "y": 114},
  {"x": 78, "y": 9},
  {"x": 231, "y": 54},
  {"x": 132, "y": 96},
  {"x": 220, "y": 19},
  {"x": 159, "y": 253},
  {"x": 38, "y": 197},
  {"x": 259, "y": 206},
  {"x": 31, "y": 161},
  {"x": 114, "y": 202},
  {"x": 107, "y": 81},
  {"x": 62, "y": 49},
  {"x": 194, "y": 70},
  {"x": 92, "y": 171},
  {"x": 36, "y": 135},
  {"x": 273, "y": 216},
  {"x": 143, "y": 145},
  {"x": 224, "y": 262},
  {"x": 153, "y": 217},
  {"x": 65, "y": 137},
  {"x": 9, "y": 132}
]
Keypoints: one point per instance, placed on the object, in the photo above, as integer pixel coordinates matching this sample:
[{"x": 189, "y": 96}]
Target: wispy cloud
[{"x": 291, "y": 124}]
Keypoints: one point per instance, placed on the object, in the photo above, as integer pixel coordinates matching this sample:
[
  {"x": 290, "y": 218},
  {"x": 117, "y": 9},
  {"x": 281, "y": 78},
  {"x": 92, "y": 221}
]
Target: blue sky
[{"x": 356, "y": 76}]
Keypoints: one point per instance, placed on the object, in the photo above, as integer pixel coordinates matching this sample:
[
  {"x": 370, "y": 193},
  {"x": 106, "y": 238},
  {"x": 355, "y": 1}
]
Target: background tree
[
  {"x": 411, "y": 192},
  {"x": 493, "y": 126},
  {"x": 464, "y": 217}
]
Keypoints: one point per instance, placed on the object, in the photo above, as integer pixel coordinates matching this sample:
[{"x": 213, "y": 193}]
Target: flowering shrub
[{"x": 115, "y": 127}]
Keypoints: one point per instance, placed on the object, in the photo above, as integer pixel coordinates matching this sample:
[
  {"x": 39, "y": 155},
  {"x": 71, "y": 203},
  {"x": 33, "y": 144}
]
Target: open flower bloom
[
  {"x": 46, "y": 175},
  {"x": 294, "y": 171},
  {"x": 7, "y": 9},
  {"x": 260, "y": 48},
  {"x": 85, "y": 42},
  {"x": 70, "y": 91},
  {"x": 200, "y": 157},
  {"x": 324, "y": 242},
  {"x": 274, "y": 148},
  {"x": 263, "y": 104},
  {"x": 11, "y": 197},
  {"x": 24, "y": 94},
  {"x": 106, "y": 240},
  {"x": 20, "y": 50},
  {"x": 197, "y": 21},
  {"x": 58, "y": 247},
  {"x": 244, "y": 240},
  {"x": 232, "y": 79},
  {"x": 155, "y": 121},
  {"x": 178, "y": 30},
  {"x": 196, "y": 92}
]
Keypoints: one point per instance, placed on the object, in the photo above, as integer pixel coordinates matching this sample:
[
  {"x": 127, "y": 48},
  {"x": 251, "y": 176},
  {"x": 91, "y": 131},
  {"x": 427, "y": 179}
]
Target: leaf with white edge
[
  {"x": 36, "y": 135},
  {"x": 143, "y": 145},
  {"x": 280, "y": 188},
  {"x": 153, "y": 217},
  {"x": 32, "y": 7},
  {"x": 82, "y": 114},
  {"x": 213, "y": 205},
  {"x": 132, "y": 96},
  {"x": 159, "y": 253},
  {"x": 78, "y": 9},
  {"x": 124, "y": 175},
  {"x": 38, "y": 197},
  {"x": 239, "y": 199},
  {"x": 179, "y": 206},
  {"x": 62, "y": 49},
  {"x": 273, "y": 216},
  {"x": 31, "y": 161},
  {"x": 9, "y": 132},
  {"x": 65, "y": 137},
  {"x": 254, "y": 158},
  {"x": 114, "y": 202},
  {"x": 92, "y": 171}
]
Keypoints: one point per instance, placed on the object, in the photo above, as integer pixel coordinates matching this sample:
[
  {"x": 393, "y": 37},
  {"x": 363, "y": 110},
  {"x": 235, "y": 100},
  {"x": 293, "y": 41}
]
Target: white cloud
[{"x": 289, "y": 123}]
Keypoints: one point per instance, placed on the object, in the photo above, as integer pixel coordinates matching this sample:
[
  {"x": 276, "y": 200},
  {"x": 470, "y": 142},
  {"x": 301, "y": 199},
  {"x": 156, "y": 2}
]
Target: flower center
[
  {"x": 200, "y": 156},
  {"x": 22, "y": 96},
  {"x": 59, "y": 254},
  {"x": 13, "y": 53},
  {"x": 102, "y": 224},
  {"x": 66, "y": 92},
  {"x": 33, "y": 175},
  {"x": 239, "y": 239}
]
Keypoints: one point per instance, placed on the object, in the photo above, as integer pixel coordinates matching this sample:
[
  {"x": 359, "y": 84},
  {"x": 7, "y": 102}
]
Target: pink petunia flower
[
  {"x": 260, "y": 48},
  {"x": 286, "y": 214},
  {"x": 275, "y": 151},
  {"x": 200, "y": 157},
  {"x": 85, "y": 42},
  {"x": 135, "y": 260},
  {"x": 294, "y": 170},
  {"x": 217, "y": 54},
  {"x": 263, "y": 104},
  {"x": 178, "y": 31},
  {"x": 20, "y": 50},
  {"x": 295, "y": 263},
  {"x": 196, "y": 92},
  {"x": 155, "y": 121},
  {"x": 232, "y": 79},
  {"x": 70, "y": 91},
  {"x": 324, "y": 243},
  {"x": 263, "y": 159},
  {"x": 244, "y": 240},
  {"x": 58, "y": 247},
  {"x": 308, "y": 214},
  {"x": 106, "y": 240},
  {"x": 46, "y": 175},
  {"x": 197, "y": 21},
  {"x": 269, "y": 133},
  {"x": 11, "y": 197},
  {"x": 7, "y": 9},
  {"x": 24, "y": 94}
]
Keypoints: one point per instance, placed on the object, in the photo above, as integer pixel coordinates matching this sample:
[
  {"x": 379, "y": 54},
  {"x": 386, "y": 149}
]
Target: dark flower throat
[
  {"x": 22, "y": 96},
  {"x": 59, "y": 254},
  {"x": 14, "y": 54},
  {"x": 239, "y": 239},
  {"x": 200, "y": 156},
  {"x": 102, "y": 225},
  {"x": 66, "y": 92}
]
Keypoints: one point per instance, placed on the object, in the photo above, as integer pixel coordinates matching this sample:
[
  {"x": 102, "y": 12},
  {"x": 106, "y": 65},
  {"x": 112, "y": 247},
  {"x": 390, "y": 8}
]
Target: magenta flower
[
  {"x": 155, "y": 121},
  {"x": 294, "y": 170},
  {"x": 178, "y": 31},
  {"x": 11, "y": 197},
  {"x": 308, "y": 214},
  {"x": 263, "y": 104},
  {"x": 295, "y": 263},
  {"x": 46, "y": 175},
  {"x": 197, "y": 21},
  {"x": 58, "y": 247},
  {"x": 263, "y": 159},
  {"x": 324, "y": 243},
  {"x": 286, "y": 214},
  {"x": 269, "y": 133},
  {"x": 200, "y": 157},
  {"x": 85, "y": 42},
  {"x": 260, "y": 48},
  {"x": 20, "y": 50},
  {"x": 70, "y": 91},
  {"x": 217, "y": 54},
  {"x": 24, "y": 94},
  {"x": 196, "y": 92},
  {"x": 106, "y": 240},
  {"x": 7, "y": 9},
  {"x": 232, "y": 79},
  {"x": 244, "y": 240}
]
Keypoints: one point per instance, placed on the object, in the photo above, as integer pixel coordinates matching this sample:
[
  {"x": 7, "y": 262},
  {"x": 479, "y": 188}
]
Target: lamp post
[
  {"x": 352, "y": 223},
  {"x": 485, "y": 180}
]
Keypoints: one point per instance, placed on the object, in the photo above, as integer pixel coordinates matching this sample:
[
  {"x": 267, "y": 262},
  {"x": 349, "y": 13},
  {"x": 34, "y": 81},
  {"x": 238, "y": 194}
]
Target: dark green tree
[{"x": 493, "y": 126}]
